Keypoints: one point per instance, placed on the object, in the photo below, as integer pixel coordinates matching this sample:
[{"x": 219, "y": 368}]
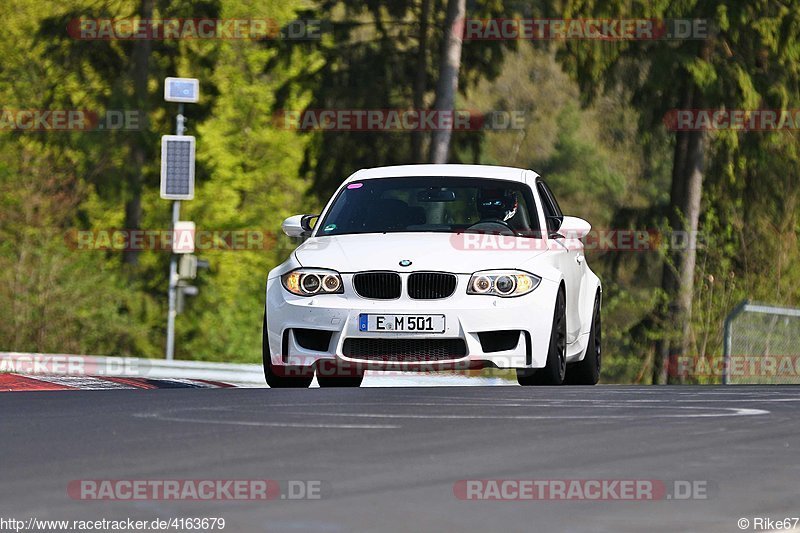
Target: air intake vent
[
  {"x": 404, "y": 350},
  {"x": 431, "y": 285},
  {"x": 499, "y": 341},
  {"x": 313, "y": 339},
  {"x": 377, "y": 285}
]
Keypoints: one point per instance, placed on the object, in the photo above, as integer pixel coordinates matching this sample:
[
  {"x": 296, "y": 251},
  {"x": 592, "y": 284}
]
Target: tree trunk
[
  {"x": 447, "y": 85},
  {"x": 695, "y": 164},
  {"x": 138, "y": 153},
  {"x": 677, "y": 280},
  {"x": 421, "y": 79}
]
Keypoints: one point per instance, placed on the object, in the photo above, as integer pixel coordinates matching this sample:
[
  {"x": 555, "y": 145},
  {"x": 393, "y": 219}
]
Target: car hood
[{"x": 449, "y": 252}]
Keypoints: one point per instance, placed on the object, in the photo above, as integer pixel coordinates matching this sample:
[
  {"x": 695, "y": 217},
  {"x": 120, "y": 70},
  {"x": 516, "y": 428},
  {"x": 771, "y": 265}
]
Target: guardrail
[
  {"x": 244, "y": 375},
  {"x": 97, "y": 365}
]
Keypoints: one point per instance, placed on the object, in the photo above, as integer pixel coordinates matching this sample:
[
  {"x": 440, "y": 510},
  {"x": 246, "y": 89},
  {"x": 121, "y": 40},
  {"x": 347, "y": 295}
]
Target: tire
[
  {"x": 555, "y": 369},
  {"x": 587, "y": 372},
  {"x": 332, "y": 374},
  {"x": 291, "y": 376}
]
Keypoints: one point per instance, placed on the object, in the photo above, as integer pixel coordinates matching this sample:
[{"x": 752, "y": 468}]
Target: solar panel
[{"x": 177, "y": 167}]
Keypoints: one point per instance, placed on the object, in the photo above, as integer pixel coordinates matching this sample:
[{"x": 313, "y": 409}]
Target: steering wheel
[{"x": 499, "y": 227}]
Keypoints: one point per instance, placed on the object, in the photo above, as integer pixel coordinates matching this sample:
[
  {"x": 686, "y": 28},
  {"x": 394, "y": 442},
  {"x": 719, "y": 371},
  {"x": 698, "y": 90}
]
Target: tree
[
  {"x": 447, "y": 85},
  {"x": 717, "y": 72},
  {"x": 133, "y": 72},
  {"x": 54, "y": 297},
  {"x": 138, "y": 152},
  {"x": 421, "y": 78},
  {"x": 375, "y": 56}
]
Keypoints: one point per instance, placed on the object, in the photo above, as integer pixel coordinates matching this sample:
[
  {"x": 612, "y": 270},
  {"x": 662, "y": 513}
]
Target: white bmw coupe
[{"x": 432, "y": 267}]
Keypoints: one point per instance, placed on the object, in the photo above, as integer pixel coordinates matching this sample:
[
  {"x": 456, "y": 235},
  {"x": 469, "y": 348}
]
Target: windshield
[{"x": 432, "y": 204}]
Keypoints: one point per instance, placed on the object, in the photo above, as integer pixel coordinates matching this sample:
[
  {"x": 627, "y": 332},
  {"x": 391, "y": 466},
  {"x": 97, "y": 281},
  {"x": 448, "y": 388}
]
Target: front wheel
[
  {"x": 338, "y": 374},
  {"x": 587, "y": 371},
  {"x": 284, "y": 376},
  {"x": 556, "y": 366}
]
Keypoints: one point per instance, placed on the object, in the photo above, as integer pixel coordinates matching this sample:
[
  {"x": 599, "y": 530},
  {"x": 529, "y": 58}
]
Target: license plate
[{"x": 401, "y": 323}]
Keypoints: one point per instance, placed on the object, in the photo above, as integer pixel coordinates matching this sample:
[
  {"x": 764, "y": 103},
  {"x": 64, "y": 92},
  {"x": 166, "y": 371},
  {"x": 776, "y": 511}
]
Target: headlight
[
  {"x": 312, "y": 281},
  {"x": 505, "y": 283}
]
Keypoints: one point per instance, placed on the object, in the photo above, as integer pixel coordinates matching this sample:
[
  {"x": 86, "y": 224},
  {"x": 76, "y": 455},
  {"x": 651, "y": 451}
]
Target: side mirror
[
  {"x": 553, "y": 224},
  {"x": 298, "y": 225},
  {"x": 574, "y": 228}
]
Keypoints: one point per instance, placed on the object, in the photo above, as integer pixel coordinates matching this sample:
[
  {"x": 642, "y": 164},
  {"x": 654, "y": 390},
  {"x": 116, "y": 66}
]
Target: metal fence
[{"x": 762, "y": 345}]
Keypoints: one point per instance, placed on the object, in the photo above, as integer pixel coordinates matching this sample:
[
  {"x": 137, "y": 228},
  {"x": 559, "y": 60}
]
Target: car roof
[{"x": 471, "y": 171}]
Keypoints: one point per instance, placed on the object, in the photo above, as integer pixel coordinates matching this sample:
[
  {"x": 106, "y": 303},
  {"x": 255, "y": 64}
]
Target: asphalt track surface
[{"x": 388, "y": 458}]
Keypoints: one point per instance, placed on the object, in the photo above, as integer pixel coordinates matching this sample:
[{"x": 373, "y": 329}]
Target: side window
[
  {"x": 554, "y": 204},
  {"x": 546, "y": 207},
  {"x": 552, "y": 213}
]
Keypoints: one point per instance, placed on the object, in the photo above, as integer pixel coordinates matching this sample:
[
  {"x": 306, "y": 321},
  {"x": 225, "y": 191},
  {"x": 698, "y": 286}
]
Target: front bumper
[{"x": 466, "y": 316}]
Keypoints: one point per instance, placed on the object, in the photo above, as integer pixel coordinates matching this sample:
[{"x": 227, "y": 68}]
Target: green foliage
[
  {"x": 747, "y": 62},
  {"x": 369, "y": 59},
  {"x": 247, "y": 179},
  {"x": 48, "y": 290}
]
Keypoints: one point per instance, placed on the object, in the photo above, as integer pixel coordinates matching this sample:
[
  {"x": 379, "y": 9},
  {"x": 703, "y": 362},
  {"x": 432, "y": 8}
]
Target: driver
[{"x": 497, "y": 205}]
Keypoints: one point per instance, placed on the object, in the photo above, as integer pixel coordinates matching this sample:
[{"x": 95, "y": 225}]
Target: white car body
[{"x": 558, "y": 261}]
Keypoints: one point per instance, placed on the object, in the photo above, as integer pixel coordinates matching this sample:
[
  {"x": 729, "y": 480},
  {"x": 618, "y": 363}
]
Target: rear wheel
[
  {"x": 556, "y": 366},
  {"x": 284, "y": 376},
  {"x": 587, "y": 372}
]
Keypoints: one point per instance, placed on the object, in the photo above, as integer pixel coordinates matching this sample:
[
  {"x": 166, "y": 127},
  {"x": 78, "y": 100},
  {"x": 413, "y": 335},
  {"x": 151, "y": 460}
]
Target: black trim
[
  {"x": 378, "y": 285},
  {"x": 499, "y": 341},
  {"x": 285, "y": 346},
  {"x": 528, "y": 349},
  {"x": 305, "y": 222},
  {"x": 316, "y": 340},
  {"x": 431, "y": 285},
  {"x": 404, "y": 349}
]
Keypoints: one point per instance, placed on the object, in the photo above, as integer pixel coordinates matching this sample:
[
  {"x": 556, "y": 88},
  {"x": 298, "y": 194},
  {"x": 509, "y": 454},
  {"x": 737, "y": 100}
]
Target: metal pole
[
  {"x": 727, "y": 339},
  {"x": 173, "y": 288},
  {"x": 726, "y": 351},
  {"x": 179, "y": 121},
  {"x": 173, "y": 261}
]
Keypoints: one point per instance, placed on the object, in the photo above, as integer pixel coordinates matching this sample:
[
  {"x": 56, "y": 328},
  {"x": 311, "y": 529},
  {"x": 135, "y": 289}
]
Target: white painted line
[
  {"x": 159, "y": 417},
  {"x": 730, "y": 411},
  {"x": 731, "y": 400}
]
